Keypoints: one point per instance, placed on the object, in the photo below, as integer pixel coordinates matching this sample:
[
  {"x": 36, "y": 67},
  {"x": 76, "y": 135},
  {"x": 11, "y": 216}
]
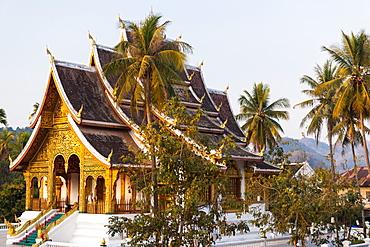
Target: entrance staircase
[{"x": 30, "y": 238}]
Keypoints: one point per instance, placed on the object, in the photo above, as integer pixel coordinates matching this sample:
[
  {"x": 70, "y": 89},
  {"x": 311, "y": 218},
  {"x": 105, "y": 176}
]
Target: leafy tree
[
  {"x": 277, "y": 155},
  {"x": 12, "y": 199},
  {"x": 3, "y": 117},
  {"x": 303, "y": 205},
  {"x": 321, "y": 104},
  {"x": 353, "y": 59},
  {"x": 188, "y": 214},
  {"x": 261, "y": 117},
  {"x": 147, "y": 66}
]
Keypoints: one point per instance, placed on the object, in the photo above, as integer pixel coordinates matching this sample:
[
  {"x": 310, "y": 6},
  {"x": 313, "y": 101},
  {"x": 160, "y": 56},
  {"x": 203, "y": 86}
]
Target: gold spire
[
  {"x": 50, "y": 55},
  {"x": 80, "y": 111},
  {"x": 226, "y": 89},
  {"x": 110, "y": 155},
  {"x": 224, "y": 124},
  {"x": 91, "y": 37},
  {"x": 200, "y": 65},
  {"x": 179, "y": 37}
]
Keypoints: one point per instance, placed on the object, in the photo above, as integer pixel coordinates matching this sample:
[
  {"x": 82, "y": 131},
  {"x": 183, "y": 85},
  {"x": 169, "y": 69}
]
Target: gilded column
[
  {"x": 28, "y": 190},
  {"x": 82, "y": 195},
  {"x": 108, "y": 191},
  {"x": 51, "y": 187}
]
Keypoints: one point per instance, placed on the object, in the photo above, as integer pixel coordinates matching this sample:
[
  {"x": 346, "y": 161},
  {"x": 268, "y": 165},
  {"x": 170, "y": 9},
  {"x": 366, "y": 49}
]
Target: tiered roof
[{"x": 103, "y": 126}]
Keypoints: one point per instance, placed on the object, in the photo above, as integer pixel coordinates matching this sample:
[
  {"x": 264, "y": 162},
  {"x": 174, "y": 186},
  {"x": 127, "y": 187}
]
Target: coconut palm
[
  {"x": 19, "y": 143},
  {"x": 261, "y": 117},
  {"x": 6, "y": 137},
  {"x": 348, "y": 133},
  {"x": 3, "y": 117},
  {"x": 147, "y": 66},
  {"x": 353, "y": 59},
  {"x": 321, "y": 104}
]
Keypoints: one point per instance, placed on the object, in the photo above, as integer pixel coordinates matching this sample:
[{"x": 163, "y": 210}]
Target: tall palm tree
[
  {"x": 147, "y": 66},
  {"x": 261, "y": 117},
  {"x": 3, "y": 117},
  {"x": 6, "y": 137},
  {"x": 353, "y": 59},
  {"x": 321, "y": 104}
]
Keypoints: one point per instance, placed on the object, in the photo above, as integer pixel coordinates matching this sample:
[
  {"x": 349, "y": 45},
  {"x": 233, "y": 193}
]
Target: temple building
[{"x": 80, "y": 133}]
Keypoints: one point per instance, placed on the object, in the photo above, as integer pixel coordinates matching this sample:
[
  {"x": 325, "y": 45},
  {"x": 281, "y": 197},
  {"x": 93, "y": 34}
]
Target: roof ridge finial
[
  {"x": 200, "y": 65},
  {"x": 226, "y": 89},
  {"x": 122, "y": 26},
  {"x": 50, "y": 55},
  {"x": 224, "y": 124},
  {"x": 91, "y": 37}
]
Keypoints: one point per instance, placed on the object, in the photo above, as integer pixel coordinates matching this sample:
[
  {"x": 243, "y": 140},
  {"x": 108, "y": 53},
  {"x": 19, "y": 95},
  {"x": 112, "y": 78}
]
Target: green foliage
[
  {"x": 277, "y": 155},
  {"x": 6, "y": 176},
  {"x": 184, "y": 175},
  {"x": 3, "y": 120},
  {"x": 298, "y": 203},
  {"x": 12, "y": 199}
]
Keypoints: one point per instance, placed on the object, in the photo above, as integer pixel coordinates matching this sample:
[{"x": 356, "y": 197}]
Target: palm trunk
[
  {"x": 148, "y": 114},
  {"x": 358, "y": 187},
  {"x": 331, "y": 154},
  {"x": 331, "y": 149},
  {"x": 364, "y": 144}
]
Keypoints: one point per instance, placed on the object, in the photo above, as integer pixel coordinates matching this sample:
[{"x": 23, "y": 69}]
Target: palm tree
[
  {"x": 147, "y": 65},
  {"x": 353, "y": 59},
  {"x": 18, "y": 144},
  {"x": 3, "y": 117},
  {"x": 35, "y": 108},
  {"x": 321, "y": 104},
  {"x": 348, "y": 133},
  {"x": 261, "y": 118},
  {"x": 6, "y": 137}
]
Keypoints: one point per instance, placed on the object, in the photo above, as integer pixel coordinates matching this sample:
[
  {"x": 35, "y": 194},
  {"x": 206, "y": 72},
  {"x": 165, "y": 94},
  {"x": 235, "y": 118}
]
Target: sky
[{"x": 241, "y": 42}]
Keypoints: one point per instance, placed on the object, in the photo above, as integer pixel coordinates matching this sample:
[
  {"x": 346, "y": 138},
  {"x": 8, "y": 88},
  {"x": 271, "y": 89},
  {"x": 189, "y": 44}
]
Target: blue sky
[{"x": 241, "y": 42}]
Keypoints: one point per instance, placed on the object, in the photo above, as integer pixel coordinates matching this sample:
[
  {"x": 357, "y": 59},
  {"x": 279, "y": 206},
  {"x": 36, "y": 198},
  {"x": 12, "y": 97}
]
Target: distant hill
[
  {"x": 305, "y": 149},
  {"x": 18, "y": 130}
]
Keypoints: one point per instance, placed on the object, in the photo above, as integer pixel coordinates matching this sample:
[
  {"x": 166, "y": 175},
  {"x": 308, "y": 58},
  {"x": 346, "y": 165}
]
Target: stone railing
[{"x": 55, "y": 223}]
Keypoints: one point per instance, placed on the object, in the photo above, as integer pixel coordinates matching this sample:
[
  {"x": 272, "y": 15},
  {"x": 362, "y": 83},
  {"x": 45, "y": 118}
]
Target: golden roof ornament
[
  {"x": 200, "y": 65},
  {"x": 10, "y": 160},
  {"x": 226, "y": 89},
  {"x": 91, "y": 38},
  {"x": 262, "y": 151},
  {"x": 224, "y": 124},
  {"x": 122, "y": 27},
  {"x": 51, "y": 57},
  {"x": 219, "y": 107},
  {"x": 179, "y": 37},
  {"x": 191, "y": 76},
  {"x": 201, "y": 99},
  {"x": 110, "y": 156},
  {"x": 80, "y": 111}
]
